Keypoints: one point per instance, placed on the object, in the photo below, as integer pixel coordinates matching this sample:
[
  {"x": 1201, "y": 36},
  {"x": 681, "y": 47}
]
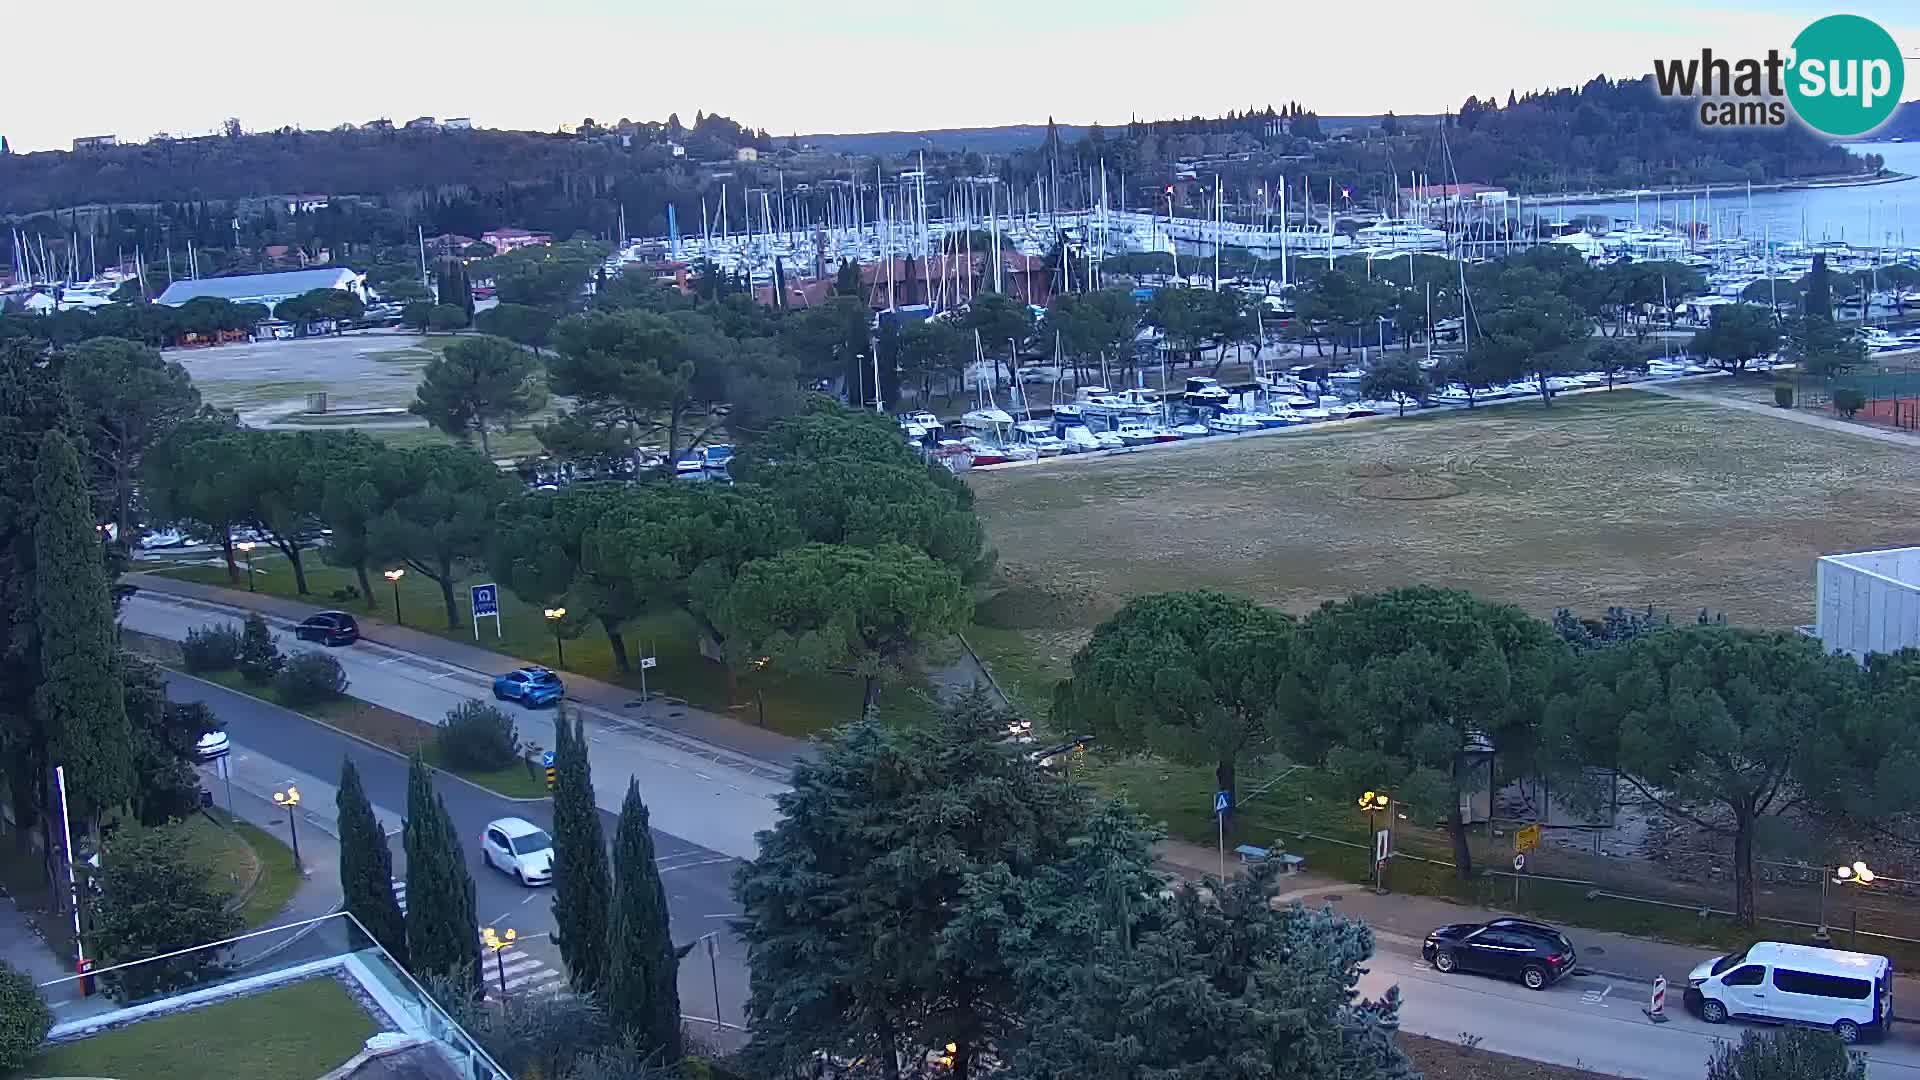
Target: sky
[{"x": 137, "y": 68}]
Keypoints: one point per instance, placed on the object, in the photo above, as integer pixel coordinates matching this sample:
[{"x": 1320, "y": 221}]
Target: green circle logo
[{"x": 1847, "y": 75}]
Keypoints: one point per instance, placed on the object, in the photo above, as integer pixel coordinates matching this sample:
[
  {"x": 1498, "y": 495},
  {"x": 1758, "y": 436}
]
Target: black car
[
  {"x": 329, "y": 628},
  {"x": 1535, "y": 954}
]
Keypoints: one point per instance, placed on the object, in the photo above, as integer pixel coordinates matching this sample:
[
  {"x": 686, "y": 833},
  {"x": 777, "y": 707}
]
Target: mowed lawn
[{"x": 1620, "y": 498}]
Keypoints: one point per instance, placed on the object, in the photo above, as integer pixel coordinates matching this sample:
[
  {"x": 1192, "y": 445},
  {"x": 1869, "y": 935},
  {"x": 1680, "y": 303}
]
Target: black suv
[
  {"x": 329, "y": 628},
  {"x": 1534, "y": 953}
]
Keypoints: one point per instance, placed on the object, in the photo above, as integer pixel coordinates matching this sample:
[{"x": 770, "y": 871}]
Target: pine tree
[
  {"x": 260, "y": 657},
  {"x": 79, "y": 702},
  {"x": 580, "y": 878},
  {"x": 443, "y": 933},
  {"x": 366, "y": 866},
  {"x": 643, "y": 976}
]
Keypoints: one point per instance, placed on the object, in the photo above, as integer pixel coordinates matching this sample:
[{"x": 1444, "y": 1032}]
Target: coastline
[{"x": 1813, "y": 183}]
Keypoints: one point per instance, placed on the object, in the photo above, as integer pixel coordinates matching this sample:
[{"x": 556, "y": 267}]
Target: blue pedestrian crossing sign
[
  {"x": 546, "y": 760},
  {"x": 1222, "y": 802}
]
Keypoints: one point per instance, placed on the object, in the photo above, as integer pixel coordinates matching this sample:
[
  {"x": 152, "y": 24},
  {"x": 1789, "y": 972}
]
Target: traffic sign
[
  {"x": 648, "y": 663},
  {"x": 546, "y": 760},
  {"x": 1519, "y": 863},
  {"x": 1526, "y": 838},
  {"x": 1222, "y": 802},
  {"x": 1382, "y": 845},
  {"x": 486, "y": 600}
]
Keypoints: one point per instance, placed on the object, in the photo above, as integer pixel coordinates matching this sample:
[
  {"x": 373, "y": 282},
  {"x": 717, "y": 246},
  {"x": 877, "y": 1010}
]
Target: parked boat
[
  {"x": 1233, "y": 423},
  {"x": 1080, "y": 439},
  {"x": 1038, "y": 436}
]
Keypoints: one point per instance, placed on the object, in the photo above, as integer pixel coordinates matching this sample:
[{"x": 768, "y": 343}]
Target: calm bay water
[{"x": 1880, "y": 214}]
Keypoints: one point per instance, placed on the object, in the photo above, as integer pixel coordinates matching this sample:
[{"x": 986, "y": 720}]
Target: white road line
[{"x": 703, "y": 862}]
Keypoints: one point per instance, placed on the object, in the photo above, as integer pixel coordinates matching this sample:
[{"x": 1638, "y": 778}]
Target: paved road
[
  {"x": 699, "y": 793},
  {"x": 272, "y": 746}
]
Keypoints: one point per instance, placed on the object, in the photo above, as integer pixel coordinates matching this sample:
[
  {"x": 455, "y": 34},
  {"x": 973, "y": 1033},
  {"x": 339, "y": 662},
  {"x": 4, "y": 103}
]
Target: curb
[{"x": 362, "y": 740}]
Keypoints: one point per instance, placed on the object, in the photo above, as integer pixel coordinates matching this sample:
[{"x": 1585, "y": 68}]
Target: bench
[{"x": 1251, "y": 854}]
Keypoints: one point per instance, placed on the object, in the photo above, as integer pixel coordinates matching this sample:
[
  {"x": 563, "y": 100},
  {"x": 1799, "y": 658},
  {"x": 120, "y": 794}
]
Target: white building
[
  {"x": 1868, "y": 601},
  {"x": 268, "y": 289}
]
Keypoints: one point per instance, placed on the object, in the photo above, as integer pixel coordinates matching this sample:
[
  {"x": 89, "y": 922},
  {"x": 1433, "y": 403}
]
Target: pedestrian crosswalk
[{"x": 522, "y": 975}]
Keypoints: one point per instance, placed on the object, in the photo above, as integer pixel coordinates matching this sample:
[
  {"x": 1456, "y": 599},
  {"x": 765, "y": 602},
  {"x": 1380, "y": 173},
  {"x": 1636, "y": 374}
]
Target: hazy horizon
[{"x": 855, "y": 69}]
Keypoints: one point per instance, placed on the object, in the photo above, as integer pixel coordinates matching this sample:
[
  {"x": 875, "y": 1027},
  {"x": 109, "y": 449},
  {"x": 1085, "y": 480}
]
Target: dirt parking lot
[{"x": 265, "y": 381}]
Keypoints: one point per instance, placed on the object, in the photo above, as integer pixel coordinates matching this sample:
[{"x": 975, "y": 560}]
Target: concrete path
[{"x": 1798, "y": 416}]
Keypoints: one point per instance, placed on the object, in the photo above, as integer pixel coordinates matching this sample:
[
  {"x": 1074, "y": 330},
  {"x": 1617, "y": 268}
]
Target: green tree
[
  {"x": 405, "y": 292},
  {"x": 1716, "y": 726},
  {"x": 581, "y": 887},
  {"x": 166, "y": 738},
  {"x": 260, "y": 656},
  {"x": 479, "y": 382},
  {"x": 821, "y": 607},
  {"x": 1098, "y": 324},
  {"x": 78, "y": 701},
  {"x": 1002, "y": 323},
  {"x": 350, "y": 502},
  {"x": 128, "y": 398},
  {"x": 445, "y": 318},
  {"x": 24, "y": 1018},
  {"x": 1396, "y": 689},
  {"x": 443, "y": 934},
  {"x": 1267, "y": 988},
  {"x": 418, "y": 315},
  {"x": 366, "y": 866},
  {"x": 1611, "y": 357},
  {"x": 877, "y": 917},
  {"x": 1191, "y": 675},
  {"x": 539, "y": 551},
  {"x": 1398, "y": 379},
  {"x": 439, "y": 505},
  {"x": 518, "y": 323},
  {"x": 154, "y": 898},
  {"x": 633, "y": 374},
  {"x": 1787, "y": 1053},
  {"x": 451, "y": 285},
  {"x": 934, "y": 347},
  {"x": 1736, "y": 335},
  {"x": 281, "y": 483},
  {"x": 643, "y": 966},
  {"x": 846, "y": 280}
]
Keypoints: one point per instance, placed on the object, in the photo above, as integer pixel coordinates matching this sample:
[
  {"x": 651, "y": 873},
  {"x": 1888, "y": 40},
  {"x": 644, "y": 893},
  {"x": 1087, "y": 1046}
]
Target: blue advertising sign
[{"x": 486, "y": 600}]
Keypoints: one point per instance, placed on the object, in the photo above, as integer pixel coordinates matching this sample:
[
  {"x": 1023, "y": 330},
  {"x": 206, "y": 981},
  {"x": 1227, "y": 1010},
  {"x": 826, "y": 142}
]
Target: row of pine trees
[{"x": 611, "y": 918}]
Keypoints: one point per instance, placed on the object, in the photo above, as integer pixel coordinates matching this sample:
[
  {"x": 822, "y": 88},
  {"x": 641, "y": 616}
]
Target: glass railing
[{"x": 334, "y": 944}]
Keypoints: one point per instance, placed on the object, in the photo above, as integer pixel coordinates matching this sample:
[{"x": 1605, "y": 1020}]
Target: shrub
[
  {"x": 1783, "y": 395},
  {"x": 24, "y": 1018},
  {"x": 1786, "y": 1054},
  {"x": 311, "y": 678},
  {"x": 345, "y": 593},
  {"x": 478, "y": 737},
  {"x": 1848, "y": 400},
  {"x": 211, "y": 648},
  {"x": 260, "y": 659}
]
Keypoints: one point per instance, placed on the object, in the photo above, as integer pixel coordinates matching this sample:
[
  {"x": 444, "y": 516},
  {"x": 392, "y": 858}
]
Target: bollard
[{"x": 1657, "y": 1005}]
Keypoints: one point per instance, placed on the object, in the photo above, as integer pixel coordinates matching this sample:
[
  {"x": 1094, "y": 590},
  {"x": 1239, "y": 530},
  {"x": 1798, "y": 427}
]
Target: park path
[{"x": 1798, "y": 416}]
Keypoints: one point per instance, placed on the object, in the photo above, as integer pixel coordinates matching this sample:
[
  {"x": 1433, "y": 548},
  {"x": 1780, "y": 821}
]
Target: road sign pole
[{"x": 1221, "y": 802}]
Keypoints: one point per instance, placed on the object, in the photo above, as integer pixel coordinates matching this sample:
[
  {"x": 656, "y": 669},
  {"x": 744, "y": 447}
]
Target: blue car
[{"x": 530, "y": 686}]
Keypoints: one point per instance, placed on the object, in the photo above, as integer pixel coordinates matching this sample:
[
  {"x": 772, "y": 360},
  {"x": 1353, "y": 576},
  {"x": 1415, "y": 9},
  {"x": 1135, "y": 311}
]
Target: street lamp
[
  {"x": 1857, "y": 874},
  {"x": 393, "y": 577},
  {"x": 246, "y": 548},
  {"x": 1373, "y": 802},
  {"x": 554, "y": 615},
  {"x": 498, "y": 943},
  {"x": 290, "y": 799}
]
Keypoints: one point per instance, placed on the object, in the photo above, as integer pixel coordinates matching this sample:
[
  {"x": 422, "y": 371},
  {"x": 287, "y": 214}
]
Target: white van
[{"x": 1848, "y": 993}]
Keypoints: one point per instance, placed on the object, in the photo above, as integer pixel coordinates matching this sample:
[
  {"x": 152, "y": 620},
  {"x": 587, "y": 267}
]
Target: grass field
[
  {"x": 794, "y": 705},
  {"x": 244, "y": 861},
  {"x": 303, "y": 1030}
]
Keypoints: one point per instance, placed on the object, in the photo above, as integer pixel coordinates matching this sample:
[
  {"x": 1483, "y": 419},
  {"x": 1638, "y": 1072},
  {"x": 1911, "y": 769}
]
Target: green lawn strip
[
  {"x": 245, "y": 862},
  {"x": 279, "y": 878},
  {"x": 515, "y": 781},
  {"x": 796, "y": 705},
  {"x": 303, "y": 1030},
  {"x": 1016, "y": 666}
]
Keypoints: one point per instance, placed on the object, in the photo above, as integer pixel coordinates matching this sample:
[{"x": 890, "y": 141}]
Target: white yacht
[
  {"x": 1038, "y": 436},
  {"x": 1393, "y": 235}
]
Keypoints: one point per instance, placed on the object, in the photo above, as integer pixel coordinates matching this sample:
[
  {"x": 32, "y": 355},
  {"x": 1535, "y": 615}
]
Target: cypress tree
[
  {"x": 643, "y": 976},
  {"x": 366, "y": 866},
  {"x": 443, "y": 933},
  {"x": 580, "y": 884},
  {"x": 80, "y": 702}
]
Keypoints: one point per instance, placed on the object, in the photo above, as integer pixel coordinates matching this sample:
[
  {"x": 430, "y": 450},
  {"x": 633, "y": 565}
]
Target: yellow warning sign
[{"x": 1526, "y": 838}]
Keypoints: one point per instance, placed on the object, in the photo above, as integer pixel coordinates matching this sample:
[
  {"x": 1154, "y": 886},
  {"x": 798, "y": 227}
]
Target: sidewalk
[
  {"x": 1797, "y": 416},
  {"x": 678, "y": 718},
  {"x": 319, "y": 891},
  {"x": 1405, "y": 920}
]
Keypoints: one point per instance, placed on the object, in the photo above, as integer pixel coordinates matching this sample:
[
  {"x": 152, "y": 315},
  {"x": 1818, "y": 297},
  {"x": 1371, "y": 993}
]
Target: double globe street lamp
[
  {"x": 1375, "y": 803},
  {"x": 1858, "y": 874},
  {"x": 393, "y": 577},
  {"x": 290, "y": 799},
  {"x": 554, "y": 615}
]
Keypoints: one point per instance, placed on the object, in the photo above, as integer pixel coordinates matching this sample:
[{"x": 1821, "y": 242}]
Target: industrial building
[
  {"x": 268, "y": 289},
  {"x": 1868, "y": 601}
]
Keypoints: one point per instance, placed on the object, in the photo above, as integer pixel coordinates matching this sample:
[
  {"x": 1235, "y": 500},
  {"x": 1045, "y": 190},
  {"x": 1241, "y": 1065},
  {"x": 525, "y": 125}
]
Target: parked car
[
  {"x": 213, "y": 746},
  {"x": 530, "y": 686},
  {"x": 1847, "y": 993},
  {"x": 518, "y": 847},
  {"x": 328, "y": 628},
  {"x": 1534, "y": 954}
]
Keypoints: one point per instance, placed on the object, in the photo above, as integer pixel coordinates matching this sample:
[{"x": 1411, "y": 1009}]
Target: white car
[
  {"x": 518, "y": 847},
  {"x": 213, "y": 745}
]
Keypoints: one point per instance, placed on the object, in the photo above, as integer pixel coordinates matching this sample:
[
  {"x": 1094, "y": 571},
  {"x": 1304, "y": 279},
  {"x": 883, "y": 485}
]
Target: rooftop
[{"x": 255, "y": 286}]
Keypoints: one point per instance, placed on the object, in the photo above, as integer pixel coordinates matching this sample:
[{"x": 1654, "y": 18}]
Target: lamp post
[
  {"x": 393, "y": 577},
  {"x": 290, "y": 799},
  {"x": 246, "y": 548},
  {"x": 1373, "y": 802},
  {"x": 498, "y": 943},
  {"x": 1857, "y": 874},
  {"x": 554, "y": 615}
]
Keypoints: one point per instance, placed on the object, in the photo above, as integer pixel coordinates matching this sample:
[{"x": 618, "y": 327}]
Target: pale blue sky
[{"x": 135, "y": 67}]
